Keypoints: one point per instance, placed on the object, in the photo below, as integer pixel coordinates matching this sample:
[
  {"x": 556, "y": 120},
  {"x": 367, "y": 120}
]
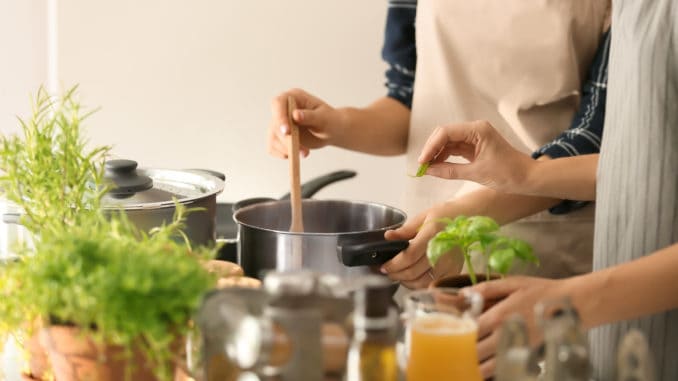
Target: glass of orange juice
[{"x": 441, "y": 334}]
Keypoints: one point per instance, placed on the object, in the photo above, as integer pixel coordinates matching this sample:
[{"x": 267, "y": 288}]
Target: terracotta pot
[
  {"x": 460, "y": 281},
  {"x": 75, "y": 357},
  {"x": 38, "y": 363},
  {"x": 463, "y": 280},
  {"x": 28, "y": 377}
]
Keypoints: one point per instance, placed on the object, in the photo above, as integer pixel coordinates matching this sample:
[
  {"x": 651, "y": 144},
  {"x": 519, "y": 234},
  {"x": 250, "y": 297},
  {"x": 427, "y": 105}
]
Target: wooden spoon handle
[{"x": 297, "y": 223}]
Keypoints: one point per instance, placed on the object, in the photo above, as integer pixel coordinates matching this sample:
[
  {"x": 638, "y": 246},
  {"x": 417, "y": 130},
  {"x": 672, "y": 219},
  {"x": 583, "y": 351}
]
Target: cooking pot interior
[{"x": 322, "y": 216}]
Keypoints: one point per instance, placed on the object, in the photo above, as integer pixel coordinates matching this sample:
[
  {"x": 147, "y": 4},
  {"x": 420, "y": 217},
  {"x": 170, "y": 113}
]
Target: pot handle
[
  {"x": 311, "y": 187},
  {"x": 370, "y": 254},
  {"x": 249, "y": 201},
  {"x": 11, "y": 218},
  {"x": 308, "y": 188}
]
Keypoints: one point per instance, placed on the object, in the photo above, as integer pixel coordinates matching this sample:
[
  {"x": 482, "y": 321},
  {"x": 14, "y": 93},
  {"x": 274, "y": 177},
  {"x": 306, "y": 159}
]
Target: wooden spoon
[{"x": 297, "y": 223}]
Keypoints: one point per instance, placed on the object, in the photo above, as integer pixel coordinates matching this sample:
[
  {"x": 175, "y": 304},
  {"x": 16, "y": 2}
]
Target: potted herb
[
  {"x": 122, "y": 297},
  {"x": 114, "y": 302},
  {"x": 477, "y": 235},
  {"x": 50, "y": 174}
]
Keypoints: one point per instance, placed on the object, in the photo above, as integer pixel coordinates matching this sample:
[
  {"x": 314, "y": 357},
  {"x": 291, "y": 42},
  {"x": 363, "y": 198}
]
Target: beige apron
[{"x": 519, "y": 64}]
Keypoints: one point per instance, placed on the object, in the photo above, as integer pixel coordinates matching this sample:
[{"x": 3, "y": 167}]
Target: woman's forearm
[
  {"x": 572, "y": 178},
  {"x": 502, "y": 207},
  {"x": 381, "y": 128},
  {"x": 630, "y": 290}
]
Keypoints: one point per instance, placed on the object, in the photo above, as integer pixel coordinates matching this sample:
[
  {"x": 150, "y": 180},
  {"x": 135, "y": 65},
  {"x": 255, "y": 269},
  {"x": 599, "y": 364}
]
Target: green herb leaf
[
  {"x": 437, "y": 247},
  {"x": 524, "y": 251},
  {"x": 501, "y": 260},
  {"x": 422, "y": 169},
  {"x": 481, "y": 225}
]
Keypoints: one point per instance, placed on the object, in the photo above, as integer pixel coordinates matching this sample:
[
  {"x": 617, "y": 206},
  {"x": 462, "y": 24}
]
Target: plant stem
[
  {"x": 469, "y": 265},
  {"x": 487, "y": 267}
]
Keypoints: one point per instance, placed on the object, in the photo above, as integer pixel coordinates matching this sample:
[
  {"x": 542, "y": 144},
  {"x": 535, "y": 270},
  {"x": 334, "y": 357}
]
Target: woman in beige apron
[{"x": 519, "y": 64}]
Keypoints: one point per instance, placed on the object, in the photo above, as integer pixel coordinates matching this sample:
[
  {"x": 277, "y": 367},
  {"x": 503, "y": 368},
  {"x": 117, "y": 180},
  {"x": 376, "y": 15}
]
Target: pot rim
[
  {"x": 209, "y": 186},
  {"x": 324, "y": 234}
]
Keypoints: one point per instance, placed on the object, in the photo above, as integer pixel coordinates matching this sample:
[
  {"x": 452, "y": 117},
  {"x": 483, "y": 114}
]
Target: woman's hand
[
  {"x": 317, "y": 120},
  {"x": 411, "y": 266},
  {"x": 516, "y": 295},
  {"x": 493, "y": 162}
]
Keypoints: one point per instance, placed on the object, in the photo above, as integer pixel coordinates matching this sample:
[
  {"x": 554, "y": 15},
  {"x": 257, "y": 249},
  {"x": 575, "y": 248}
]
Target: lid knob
[{"x": 123, "y": 174}]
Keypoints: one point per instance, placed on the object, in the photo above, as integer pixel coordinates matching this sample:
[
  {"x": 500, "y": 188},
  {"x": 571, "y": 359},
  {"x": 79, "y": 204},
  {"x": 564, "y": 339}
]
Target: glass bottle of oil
[{"x": 372, "y": 354}]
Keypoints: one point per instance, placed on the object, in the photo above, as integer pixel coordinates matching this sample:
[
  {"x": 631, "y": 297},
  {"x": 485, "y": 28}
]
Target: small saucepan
[
  {"x": 344, "y": 238},
  {"x": 227, "y": 229},
  {"x": 148, "y": 196}
]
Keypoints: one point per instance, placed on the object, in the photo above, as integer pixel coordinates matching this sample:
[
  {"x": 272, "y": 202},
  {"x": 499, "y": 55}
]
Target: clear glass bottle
[
  {"x": 372, "y": 354},
  {"x": 513, "y": 353},
  {"x": 566, "y": 355},
  {"x": 634, "y": 358}
]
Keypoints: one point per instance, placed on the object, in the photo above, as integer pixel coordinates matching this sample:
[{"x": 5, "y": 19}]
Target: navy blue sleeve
[
  {"x": 586, "y": 130},
  {"x": 399, "y": 50}
]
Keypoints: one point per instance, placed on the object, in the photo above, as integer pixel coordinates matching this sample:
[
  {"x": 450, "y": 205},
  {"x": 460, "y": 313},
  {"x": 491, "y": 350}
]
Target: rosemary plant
[{"x": 48, "y": 170}]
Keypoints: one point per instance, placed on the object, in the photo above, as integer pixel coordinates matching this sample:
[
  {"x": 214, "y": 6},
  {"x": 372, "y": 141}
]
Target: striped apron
[{"x": 637, "y": 187}]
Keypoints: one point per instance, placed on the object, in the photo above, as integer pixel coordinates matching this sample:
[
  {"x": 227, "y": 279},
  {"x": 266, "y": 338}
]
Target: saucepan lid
[{"x": 149, "y": 188}]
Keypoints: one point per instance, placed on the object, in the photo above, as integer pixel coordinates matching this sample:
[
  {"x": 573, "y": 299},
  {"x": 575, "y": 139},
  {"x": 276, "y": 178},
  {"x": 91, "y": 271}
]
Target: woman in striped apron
[{"x": 636, "y": 191}]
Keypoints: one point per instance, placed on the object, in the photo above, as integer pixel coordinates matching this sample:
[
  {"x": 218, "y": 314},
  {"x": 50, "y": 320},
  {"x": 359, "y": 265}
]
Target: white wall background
[
  {"x": 188, "y": 83},
  {"x": 23, "y": 68}
]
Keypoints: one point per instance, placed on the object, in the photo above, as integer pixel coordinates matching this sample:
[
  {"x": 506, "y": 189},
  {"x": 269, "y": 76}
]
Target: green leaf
[
  {"x": 486, "y": 239},
  {"x": 437, "y": 247},
  {"x": 481, "y": 225},
  {"x": 422, "y": 169},
  {"x": 524, "y": 251},
  {"x": 501, "y": 261}
]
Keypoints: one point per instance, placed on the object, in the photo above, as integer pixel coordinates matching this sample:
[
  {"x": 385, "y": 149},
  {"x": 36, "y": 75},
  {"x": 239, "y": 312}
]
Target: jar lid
[{"x": 147, "y": 188}]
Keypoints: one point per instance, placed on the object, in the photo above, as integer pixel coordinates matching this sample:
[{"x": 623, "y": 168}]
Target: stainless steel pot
[
  {"x": 11, "y": 232},
  {"x": 340, "y": 237},
  {"x": 227, "y": 229},
  {"x": 148, "y": 197}
]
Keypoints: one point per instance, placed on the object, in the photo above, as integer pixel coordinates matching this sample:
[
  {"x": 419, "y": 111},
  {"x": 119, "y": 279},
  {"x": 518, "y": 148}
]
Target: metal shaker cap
[
  {"x": 373, "y": 306},
  {"x": 290, "y": 283}
]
